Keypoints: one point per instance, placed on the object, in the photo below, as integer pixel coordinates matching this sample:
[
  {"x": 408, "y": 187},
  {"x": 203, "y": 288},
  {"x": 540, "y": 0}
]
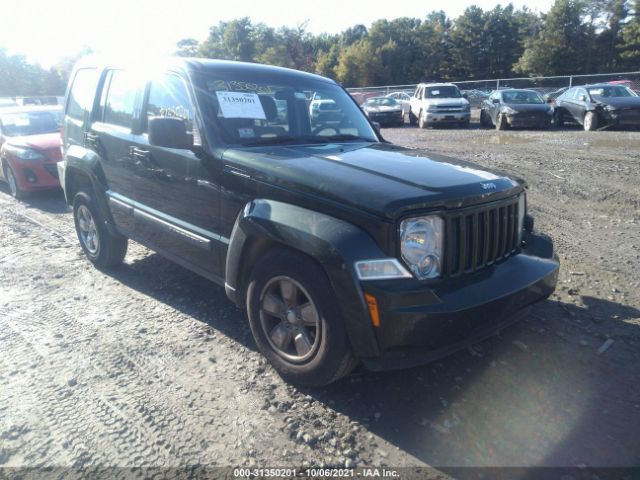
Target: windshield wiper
[
  {"x": 347, "y": 136},
  {"x": 285, "y": 140}
]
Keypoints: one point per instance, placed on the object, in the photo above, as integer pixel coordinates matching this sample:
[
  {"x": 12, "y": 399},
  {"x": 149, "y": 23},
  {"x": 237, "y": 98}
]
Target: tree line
[{"x": 573, "y": 37}]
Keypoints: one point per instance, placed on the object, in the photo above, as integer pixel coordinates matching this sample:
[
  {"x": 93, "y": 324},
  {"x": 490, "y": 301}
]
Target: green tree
[
  {"x": 629, "y": 47},
  {"x": 187, "y": 47},
  {"x": 558, "y": 49}
]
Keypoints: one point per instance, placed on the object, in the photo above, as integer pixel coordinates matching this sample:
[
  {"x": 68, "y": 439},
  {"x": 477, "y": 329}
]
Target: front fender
[{"x": 335, "y": 244}]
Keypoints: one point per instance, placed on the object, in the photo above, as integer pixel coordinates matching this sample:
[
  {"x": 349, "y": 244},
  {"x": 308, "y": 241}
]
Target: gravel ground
[{"x": 151, "y": 365}]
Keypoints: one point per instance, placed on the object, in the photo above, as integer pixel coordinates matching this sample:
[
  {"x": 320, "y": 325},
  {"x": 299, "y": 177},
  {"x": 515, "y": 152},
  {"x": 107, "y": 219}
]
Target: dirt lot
[{"x": 150, "y": 365}]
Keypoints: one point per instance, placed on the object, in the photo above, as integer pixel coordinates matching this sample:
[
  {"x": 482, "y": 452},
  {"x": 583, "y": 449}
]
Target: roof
[{"x": 202, "y": 65}]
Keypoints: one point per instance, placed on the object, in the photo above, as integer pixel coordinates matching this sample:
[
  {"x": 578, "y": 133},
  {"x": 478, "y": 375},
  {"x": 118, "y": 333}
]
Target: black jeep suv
[{"x": 342, "y": 246}]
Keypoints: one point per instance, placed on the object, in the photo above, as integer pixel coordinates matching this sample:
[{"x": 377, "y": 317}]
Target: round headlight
[{"x": 421, "y": 245}]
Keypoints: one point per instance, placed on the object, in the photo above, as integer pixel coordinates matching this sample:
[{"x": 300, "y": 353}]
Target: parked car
[
  {"x": 439, "y": 104},
  {"x": 325, "y": 109},
  {"x": 6, "y": 102},
  {"x": 341, "y": 246},
  {"x": 30, "y": 139},
  {"x": 598, "y": 106},
  {"x": 404, "y": 99},
  {"x": 383, "y": 110},
  {"x": 551, "y": 96},
  {"x": 515, "y": 108}
]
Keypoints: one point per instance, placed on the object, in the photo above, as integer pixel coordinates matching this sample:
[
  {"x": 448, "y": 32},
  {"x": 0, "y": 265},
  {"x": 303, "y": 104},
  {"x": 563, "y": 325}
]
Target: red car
[{"x": 30, "y": 141}]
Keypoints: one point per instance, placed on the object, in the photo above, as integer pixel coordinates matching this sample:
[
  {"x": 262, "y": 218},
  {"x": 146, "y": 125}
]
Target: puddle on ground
[
  {"x": 503, "y": 139},
  {"x": 613, "y": 143}
]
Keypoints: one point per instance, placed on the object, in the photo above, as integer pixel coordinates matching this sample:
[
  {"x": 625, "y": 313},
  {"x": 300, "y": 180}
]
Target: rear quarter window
[{"x": 82, "y": 92}]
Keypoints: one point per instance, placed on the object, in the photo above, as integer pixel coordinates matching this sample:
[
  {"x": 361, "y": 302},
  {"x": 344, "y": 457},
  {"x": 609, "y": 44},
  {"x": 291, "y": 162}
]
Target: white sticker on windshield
[
  {"x": 240, "y": 105},
  {"x": 435, "y": 92}
]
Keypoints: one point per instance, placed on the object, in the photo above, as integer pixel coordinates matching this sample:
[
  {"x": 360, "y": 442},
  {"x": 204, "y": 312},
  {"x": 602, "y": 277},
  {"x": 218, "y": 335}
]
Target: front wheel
[
  {"x": 501, "y": 122},
  {"x": 590, "y": 122},
  {"x": 558, "y": 119},
  {"x": 103, "y": 248},
  {"x": 14, "y": 188},
  {"x": 484, "y": 121},
  {"x": 295, "y": 320}
]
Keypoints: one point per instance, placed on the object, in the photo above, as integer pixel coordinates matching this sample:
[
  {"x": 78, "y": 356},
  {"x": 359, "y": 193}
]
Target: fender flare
[
  {"x": 87, "y": 163},
  {"x": 333, "y": 243}
]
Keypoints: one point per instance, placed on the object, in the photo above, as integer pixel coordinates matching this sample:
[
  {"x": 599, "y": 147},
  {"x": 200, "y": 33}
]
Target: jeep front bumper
[{"x": 420, "y": 324}]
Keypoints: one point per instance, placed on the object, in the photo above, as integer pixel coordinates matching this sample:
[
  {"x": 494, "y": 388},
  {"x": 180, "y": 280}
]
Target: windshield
[
  {"x": 252, "y": 112},
  {"x": 382, "y": 102},
  {"x": 613, "y": 91},
  {"x": 446, "y": 91},
  {"x": 522, "y": 98},
  {"x": 30, "y": 123}
]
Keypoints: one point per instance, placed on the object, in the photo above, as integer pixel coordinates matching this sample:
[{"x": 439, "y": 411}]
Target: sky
[{"x": 45, "y": 30}]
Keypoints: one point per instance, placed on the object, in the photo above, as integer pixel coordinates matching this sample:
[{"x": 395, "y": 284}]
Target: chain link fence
[{"x": 478, "y": 90}]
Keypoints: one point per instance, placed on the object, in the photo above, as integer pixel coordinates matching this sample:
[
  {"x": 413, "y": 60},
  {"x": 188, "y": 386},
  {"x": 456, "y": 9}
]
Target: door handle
[{"x": 91, "y": 139}]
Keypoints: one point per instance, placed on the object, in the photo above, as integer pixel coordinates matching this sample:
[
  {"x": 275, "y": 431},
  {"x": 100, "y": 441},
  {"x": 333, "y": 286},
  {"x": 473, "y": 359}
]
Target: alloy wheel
[
  {"x": 88, "y": 230},
  {"x": 290, "y": 319}
]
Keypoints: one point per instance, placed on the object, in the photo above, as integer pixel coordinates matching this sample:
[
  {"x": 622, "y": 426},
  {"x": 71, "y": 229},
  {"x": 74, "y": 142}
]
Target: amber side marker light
[{"x": 372, "y": 304}]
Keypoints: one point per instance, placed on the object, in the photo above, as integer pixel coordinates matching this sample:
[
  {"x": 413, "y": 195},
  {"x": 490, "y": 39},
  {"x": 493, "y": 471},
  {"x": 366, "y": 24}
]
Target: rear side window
[
  {"x": 82, "y": 92},
  {"x": 120, "y": 100}
]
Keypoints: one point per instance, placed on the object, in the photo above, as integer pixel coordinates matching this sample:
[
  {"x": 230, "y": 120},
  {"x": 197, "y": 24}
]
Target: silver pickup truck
[{"x": 439, "y": 103}]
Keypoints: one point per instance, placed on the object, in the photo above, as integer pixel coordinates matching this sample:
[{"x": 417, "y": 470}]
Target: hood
[
  {"x": 382, "y": 179},
  {"x": 45, "y": 141},
  {"x": 383, "y": 108},
  {"x": 619, "y": 102},
  {"x": 447, "y": 101}
]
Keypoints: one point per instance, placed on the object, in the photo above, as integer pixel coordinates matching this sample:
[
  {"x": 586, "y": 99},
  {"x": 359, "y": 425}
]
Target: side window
[
  {"x": 82, "y": 92},
  {"x": 119, "y": 102},
  {"x": 571, "y": 93},
  {"x": 168, "y": 97}
]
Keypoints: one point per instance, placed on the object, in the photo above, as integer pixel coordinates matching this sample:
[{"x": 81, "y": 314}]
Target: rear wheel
[
  {"x": 103, "y": 248},
  {"x": 590, "y": 121},
  {"x": 295, "y": 321},
  {"x": 422, "y": 119},
  {"x": 412, "y": 118}
]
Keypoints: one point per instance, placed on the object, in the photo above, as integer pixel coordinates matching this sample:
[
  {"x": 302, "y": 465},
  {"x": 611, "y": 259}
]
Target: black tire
[
  {"x": 422, "y": 122},
  {"x": 484, "y": 121},
  {"x": 110, "y": 249},
  {"x": 558, "y": 119},
  {"x": 501, "y": 122},
  {"x": 329, "y": 358},
  {"x": 412, "y": 118},
  {"x": 14, "y": 188},
  {"x": 590, "y": 122}
]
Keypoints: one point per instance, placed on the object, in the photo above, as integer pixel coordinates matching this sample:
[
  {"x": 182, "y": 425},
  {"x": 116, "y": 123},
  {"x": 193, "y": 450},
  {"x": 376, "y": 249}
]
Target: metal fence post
[
  {"x": 570, "y": 81},
  {"x": 498, "y": 84}
]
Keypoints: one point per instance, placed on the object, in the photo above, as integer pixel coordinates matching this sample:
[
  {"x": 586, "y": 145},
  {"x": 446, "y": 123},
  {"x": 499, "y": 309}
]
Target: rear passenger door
[
  {"x": 115, "y": 129},
  {"x": 79, "y": 105},
  {"x": 178, "y": 189}
]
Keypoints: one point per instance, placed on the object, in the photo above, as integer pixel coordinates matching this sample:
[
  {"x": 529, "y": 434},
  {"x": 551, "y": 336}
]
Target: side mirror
[
  {"x": 376, "y": 125},
  {"x": 465, "y": 96},
  {"x": 583, "y": 98},
  {"x": 169, "y": 132}
]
